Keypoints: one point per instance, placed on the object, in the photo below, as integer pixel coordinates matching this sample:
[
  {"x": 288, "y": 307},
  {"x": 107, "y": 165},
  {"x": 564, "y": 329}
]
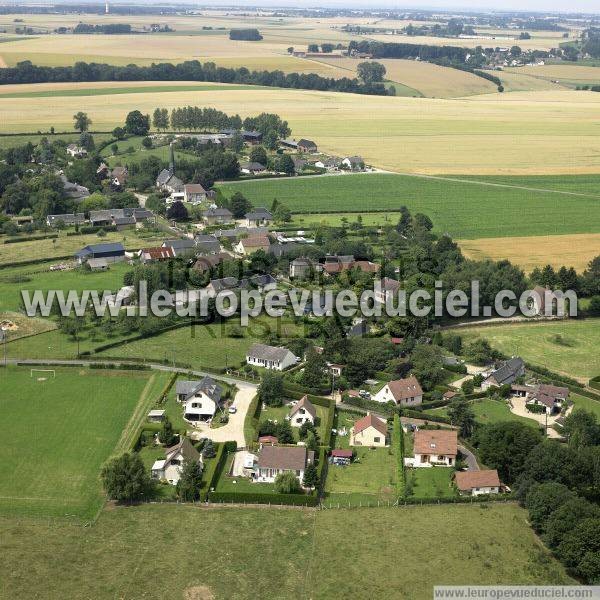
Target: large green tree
[
  {"x": 125, "y": 478},
  {"x": 190, "y": 480},
  {"x": 81, "y": 121}
]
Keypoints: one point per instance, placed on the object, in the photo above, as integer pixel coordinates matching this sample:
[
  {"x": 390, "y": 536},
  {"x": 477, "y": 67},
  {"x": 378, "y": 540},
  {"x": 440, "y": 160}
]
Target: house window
[{"x": 376, "y": 439}]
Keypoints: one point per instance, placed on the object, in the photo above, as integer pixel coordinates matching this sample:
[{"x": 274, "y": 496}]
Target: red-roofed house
[
  {"x": 403, "y": 392},
  {"x": 369, "y": 431},
  {"x": 435, "y": 447}
]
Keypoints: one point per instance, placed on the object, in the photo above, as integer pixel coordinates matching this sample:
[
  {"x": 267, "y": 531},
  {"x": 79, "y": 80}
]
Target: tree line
[{"x": 27, "y": 72}]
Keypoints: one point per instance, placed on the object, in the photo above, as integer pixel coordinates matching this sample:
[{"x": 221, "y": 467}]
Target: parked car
[
  {"x": 364, "y": 394},
  {"x": 232, "y": 410}
]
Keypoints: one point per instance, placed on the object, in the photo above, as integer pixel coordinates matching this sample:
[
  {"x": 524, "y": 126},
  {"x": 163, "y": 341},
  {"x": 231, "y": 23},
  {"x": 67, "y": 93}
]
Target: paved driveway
[
  {"x": 517, "y": 406},
  {"x": 234, "y": 429},
  {"x": 470, "y": 459}
]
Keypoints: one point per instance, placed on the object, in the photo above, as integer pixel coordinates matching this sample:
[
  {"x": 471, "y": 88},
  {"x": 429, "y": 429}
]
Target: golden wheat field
[
  {"x": 431, "y": 80},
  {"x": 528, "y": 252},
  {"x": 518, "y": 133},
  {"x": 564, "y": 73}
]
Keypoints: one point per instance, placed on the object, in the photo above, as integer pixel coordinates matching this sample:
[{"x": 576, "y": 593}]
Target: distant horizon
[{"x": 576, "y": 7}]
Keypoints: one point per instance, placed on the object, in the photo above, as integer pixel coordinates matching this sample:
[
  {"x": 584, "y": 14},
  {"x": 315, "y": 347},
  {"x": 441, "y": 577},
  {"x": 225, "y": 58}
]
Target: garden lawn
[
  {"x": 531, "y": 206},
  {"x": 273, "y": 553},
  {"x": 587, "y": 403},
  {"x": 493, "y": 411},
  {"x": 279, "y": 413},
  {"x": 568, "y": 347},
  {"x": 435, "y": 482},
  {"x": 57, "y": 433}
]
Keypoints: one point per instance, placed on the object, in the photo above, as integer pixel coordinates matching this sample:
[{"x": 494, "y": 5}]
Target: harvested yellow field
[
  {"x": 519, "y": 81},
  {"x": 431, "y": 80},
  {"x": 529, "y": 252},
  {"x": 545, "y": 42},
  {"x": 565, "y": 73},
  {"x": 518, "y": 133}
]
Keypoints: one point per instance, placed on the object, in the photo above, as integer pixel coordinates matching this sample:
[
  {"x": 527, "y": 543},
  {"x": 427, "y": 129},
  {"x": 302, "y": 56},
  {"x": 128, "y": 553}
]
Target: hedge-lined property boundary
[{"x": 398, "y": 445}]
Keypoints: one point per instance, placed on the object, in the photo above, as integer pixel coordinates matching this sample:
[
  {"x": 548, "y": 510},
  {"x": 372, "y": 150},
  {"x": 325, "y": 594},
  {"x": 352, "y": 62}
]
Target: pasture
[
  {"x": 457, "y": 206},
  {"x": 536, "y": 251},
  {"x": 66, "y": 246},
  {"x": 57, "y": 433},
  {"x": 303, "y": 554},
  {"x": 569, "y": 347},
  {"x": 517, "y": 133}
]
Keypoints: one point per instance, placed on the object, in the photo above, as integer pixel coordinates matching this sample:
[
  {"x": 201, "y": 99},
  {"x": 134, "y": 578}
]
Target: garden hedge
[{"x": 258, "y": 498}]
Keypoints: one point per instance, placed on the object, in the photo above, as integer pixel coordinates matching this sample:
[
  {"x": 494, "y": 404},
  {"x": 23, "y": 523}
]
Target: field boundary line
[{"x": 500, "y": 185}]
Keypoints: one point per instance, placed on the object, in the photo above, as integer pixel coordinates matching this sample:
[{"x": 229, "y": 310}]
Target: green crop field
[
  {"x": 57, "y": 433},
  {"x": 529, "y": 206},
  {"x": 295, "y": 554},
  {"x": 569, "y": 347}
]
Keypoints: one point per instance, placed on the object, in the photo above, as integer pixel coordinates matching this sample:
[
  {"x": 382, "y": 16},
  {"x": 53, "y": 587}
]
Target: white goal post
[{"x": 45, "y": 371}]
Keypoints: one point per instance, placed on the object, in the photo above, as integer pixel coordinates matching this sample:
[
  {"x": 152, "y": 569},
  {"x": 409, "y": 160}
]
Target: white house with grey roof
[
  {"x": 200, "y": 399},
  {"x": 169, "y": 469},
  {"x": 277, "y": 358}
]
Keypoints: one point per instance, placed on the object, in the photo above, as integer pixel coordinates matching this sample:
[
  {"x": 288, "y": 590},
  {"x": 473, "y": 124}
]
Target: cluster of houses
[
  {"x": 121, "y": 218},
  {"x": 303, "y": 267}
]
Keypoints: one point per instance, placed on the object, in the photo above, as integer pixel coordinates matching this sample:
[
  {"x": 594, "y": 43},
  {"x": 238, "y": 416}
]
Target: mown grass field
[
  {"x": 528, "y": 252},
  {"x": 569, "y": 74},
  {"x": 37, "y": 277},
  {"x": 57, "y": 433},
  {"x": 299, "y": 554},
  {"x": 569, "y": 347},
  {"x": 66, "y": 246},
  {"x": 461, "y": 207},
  {"x": 517, "y": 133}
]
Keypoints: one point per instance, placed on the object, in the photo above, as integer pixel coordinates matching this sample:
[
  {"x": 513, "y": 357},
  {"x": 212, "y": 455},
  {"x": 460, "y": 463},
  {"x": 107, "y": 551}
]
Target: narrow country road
[{"x": 470, "y": 458}]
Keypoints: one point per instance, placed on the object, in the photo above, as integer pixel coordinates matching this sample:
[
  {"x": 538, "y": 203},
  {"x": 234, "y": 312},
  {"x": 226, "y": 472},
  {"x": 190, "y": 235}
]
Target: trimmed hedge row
[
  {"x": 31, "y": 238},
  {"x": 258, "y": 498},
  {"x": 398, "y": 445},
  {"x": 379, "y": 407},
  {"x": 119, "y": 366},
  {"x": 416, "y": 414},
  {"x": 216, "y": 467}
]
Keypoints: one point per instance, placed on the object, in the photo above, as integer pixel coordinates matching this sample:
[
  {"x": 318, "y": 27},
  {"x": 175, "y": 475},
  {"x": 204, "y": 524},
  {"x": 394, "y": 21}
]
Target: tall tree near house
[
  {"x": 258, "y": 154},
  {"x": 125, "y": 478},
  {"x": 287, "y": 483},
  {"x": 462, "y": 415},
  {"x": 311, "y": 477},
  {"x": 239, "y": 205},
  {"x": 286, "y": 164},
  {"x": 136, "y": 123},
  {"x": 177, "y": 211},
  {"x": 190, "y": 480},
  {"x": 270, "y": 390},
  {"x": 82, "y": 121},
  {"x": 167, "y": 435}
]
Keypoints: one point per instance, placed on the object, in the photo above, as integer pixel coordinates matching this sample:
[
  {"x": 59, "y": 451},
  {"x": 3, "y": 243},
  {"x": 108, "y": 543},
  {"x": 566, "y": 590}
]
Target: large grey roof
[
  {"x": 207, "y": 385},
  {"x": 264, "y": 352},
  {"x": 508, "y": 371}
]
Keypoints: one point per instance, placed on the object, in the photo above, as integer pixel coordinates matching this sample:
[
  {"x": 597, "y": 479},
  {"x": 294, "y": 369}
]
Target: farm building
[{"x": 110, "y": 252}]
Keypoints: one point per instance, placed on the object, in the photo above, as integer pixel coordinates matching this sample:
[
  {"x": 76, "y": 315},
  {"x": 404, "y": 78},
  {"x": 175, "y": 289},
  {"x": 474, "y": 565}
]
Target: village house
[
  {"x": 403, "y": 392},
  {"x": 369, "y": 431},
  {"x": 118, "y": 177},
  {"x": 299, "y": 164},
  {"x": 74, "y": 190},
  {"x": 329, "y": 164},
  {"x": 147, "y": 255},
  {"x": 200, "y": 399},
  {"x": 111, "y": 252},
  {"x": 263, "y": 283},
  {"x": 305, "y": 145},
  {"x": 167, "y": 181},
  {"x": 250, "y": 137},
  {"x": 259, "y": 217},
  {"x": 302, "y": 412},
  {"x": 273, "y": 460},
  {"x": 120, "y": 217},
  {"x": 206, "y": 263},
  {"x": 252, "y": 168},
  {"x": 67, "y": 219},
  {"x": 301, "y": 268},
  {"x": 277, "y": 358},
  {"x": 169, "y": 469},
  {"x": 435, "y": 447},
  {"x": 194, "y": 193},
  {"x": 76, "y": 151},
  {"x": 236, "y": 233},
  {"x": 207, "y": 244},
  {"x": 505, "y": 375},
  {"x": 389, "y": 290},
  {"x": 550, "y": 397},
  {"x": 249, "y": 245},
  {"x": 217, "y": 216},
  {"x": 180, "y": 247},
  {"x": 353, "y": 163},
  {"x": 226, "y": 284},
  {"x": 477, "y": 483}
]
